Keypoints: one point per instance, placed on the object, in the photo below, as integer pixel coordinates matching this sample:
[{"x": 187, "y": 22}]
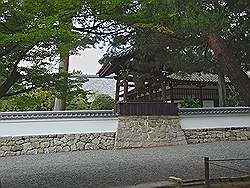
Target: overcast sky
[{"x": 87, "y": 61}]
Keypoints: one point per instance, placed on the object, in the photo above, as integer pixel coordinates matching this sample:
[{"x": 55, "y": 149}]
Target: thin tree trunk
[
  {"x": 14, "y": 75},
  {"x": 60, "y": 104},
  {"x": 236, "y": 75},
  {"x": 7, "y": 84},
  {"x": 221, "y": 88}
]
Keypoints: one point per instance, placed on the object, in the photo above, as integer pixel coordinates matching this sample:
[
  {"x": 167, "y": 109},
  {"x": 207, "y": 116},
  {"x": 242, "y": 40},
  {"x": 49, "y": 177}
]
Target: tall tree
[
  {"x": 38, "y": 32},
  {"x": 60, "y": 103},
  {"x": 33, "y": 34},
  {"x": 191, "y": 35}
]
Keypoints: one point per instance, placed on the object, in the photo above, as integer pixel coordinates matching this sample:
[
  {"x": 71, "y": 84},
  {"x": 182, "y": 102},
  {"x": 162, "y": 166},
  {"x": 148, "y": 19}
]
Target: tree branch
[
  {"x": 18, "y": 92},
  {"x": 14, "y": 75},
  {"x": 7, "y": 51},
  {"x": 93, "y": 31}
]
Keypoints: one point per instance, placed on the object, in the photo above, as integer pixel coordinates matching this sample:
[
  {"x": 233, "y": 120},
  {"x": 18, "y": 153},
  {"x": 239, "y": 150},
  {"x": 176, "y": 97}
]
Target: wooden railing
[{"x": 147, "y": 108}]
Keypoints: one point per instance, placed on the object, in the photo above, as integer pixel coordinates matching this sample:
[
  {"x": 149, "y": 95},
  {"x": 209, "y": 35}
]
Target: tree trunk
[
  {"x": 7, "y": 84},
  {"x": 236, "y": 75},
  {"x": 60, "y": 104},
  {"x": 221, "y": 88},
  {"x": 14, "y": 75}
]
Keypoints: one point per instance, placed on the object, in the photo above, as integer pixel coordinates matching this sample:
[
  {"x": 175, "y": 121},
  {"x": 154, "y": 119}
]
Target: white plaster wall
[
  {"x": 57, "y": 126},
  {"x": 215, "y": 121},
  {"x": 208, "y": 103}
]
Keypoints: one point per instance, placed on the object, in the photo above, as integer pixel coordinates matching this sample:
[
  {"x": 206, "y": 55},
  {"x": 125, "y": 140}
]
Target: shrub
[
  {"x": 78, "y": 103},
  {"x": 190, "y": 103},
  {"x": 37, "y": 100},
  {"x": 102, "y": 102},
  {"x": 233, "y": 97}
]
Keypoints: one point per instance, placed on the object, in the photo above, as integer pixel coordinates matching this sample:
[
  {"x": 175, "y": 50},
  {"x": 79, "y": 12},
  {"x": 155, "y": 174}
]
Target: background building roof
[{"x": 196, "y": 77}]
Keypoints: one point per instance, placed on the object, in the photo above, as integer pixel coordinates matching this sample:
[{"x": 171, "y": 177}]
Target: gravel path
[{"x": 120, "y": 167}]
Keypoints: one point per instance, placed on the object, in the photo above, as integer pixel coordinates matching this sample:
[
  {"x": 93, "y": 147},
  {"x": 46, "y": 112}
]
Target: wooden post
[
  {"x": 125, "y": 95},
  {"x": 117, "y": 92},
  {"x": 221, "y": 88},
  {"x": 206, "y": 167},
  {"x": 171, "y": 93},
  {"x": 201, "y": 96},
  {"x": 163, "y": 92}
]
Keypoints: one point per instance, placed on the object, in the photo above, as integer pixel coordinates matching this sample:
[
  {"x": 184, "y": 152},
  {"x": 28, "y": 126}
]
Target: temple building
[{"x": 164, "y": 87}]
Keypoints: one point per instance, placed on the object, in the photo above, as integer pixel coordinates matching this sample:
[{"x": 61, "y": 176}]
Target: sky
[{"x": 87, "y": 61}]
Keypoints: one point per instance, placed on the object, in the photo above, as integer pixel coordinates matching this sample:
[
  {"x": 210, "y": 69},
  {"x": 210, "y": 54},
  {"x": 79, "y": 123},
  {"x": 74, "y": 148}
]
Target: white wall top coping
[
  {"x": 57, "y": 114},
  {"x": 26, "y": 115},
  {"x": 214, "y": 110}
]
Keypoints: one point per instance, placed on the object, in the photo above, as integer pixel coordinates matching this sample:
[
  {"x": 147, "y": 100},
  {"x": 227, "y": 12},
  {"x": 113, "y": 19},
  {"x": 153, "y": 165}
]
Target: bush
[
  {"x": 103, "y": 102},
  {"x": 233, "y": 97},
  {"x": 37, "y": 100},
  {"x": 190, "y": 103},
  {"x": 78, "y": 103}
]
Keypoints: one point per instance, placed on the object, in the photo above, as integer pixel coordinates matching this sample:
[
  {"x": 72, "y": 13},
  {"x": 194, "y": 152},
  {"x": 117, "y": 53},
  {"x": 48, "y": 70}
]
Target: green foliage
[
  {"x": 102, "y": 102},
  {"x": 78, "y": 104},
  {"x": 40, "y": 34},
  {"x": 190, "y": 103},
  {"x": 169, "y": 36},
  {"x": 78, "y": 100},
  {"x": 233, "y": 97},
  {"x": 37, "y": 100},
  {"x": 43, "y": 100},
  {"x": 45, "y": 25}
]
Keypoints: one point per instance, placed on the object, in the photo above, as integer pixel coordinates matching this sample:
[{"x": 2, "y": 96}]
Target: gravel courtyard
[{"x": 121, "y": 167}]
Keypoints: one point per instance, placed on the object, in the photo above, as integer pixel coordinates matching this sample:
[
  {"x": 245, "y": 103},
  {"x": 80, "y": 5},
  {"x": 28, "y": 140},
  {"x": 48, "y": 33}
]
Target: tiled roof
[
  {"x": 196, "y": 77},
  {"x": 57, "y": 114},
  {"x": 214, "y": 110},
  {"x": 99, "y": 85},
  {"x": 110, "y": 114}
]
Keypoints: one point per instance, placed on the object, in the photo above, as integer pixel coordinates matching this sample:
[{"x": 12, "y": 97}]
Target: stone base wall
[
  {"x": 148, "y": 131},
  {"x": 24, "y": 145},
  {"x": 217, "y": 134}
]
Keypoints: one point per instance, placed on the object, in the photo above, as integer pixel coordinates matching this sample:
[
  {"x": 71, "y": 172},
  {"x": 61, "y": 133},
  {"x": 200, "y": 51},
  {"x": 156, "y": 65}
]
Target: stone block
[
  {"x": 148, "y": 131},
  {"x": 5, "y": 148},
  {"x": 32, "y": 152},
  {"x": 16, "y": 148},
  {"x": 44, "y": 144},
  {"x": 58, "y": 149},
  {"x": 80, "y": 145},
  {"x": 27, "y": 146},
  {"x": 90, "y": 146},
  {"x": 73, "y": 147},
  {"x": 66, "y": 148}
]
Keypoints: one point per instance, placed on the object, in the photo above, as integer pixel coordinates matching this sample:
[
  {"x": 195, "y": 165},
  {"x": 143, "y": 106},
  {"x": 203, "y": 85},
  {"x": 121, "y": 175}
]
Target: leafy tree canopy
[
  {"x": 173, "y": 32},
  {"x": 34, "y": 35},
  {"x": 102, "y": 102},
  {"x": 176, "y": 35},
  {"x": 168, "y": 35},
  {"x": 43, "y": 100}
]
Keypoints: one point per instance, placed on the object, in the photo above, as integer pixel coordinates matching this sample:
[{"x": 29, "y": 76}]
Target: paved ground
[{"x": 120, "y": 167}]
